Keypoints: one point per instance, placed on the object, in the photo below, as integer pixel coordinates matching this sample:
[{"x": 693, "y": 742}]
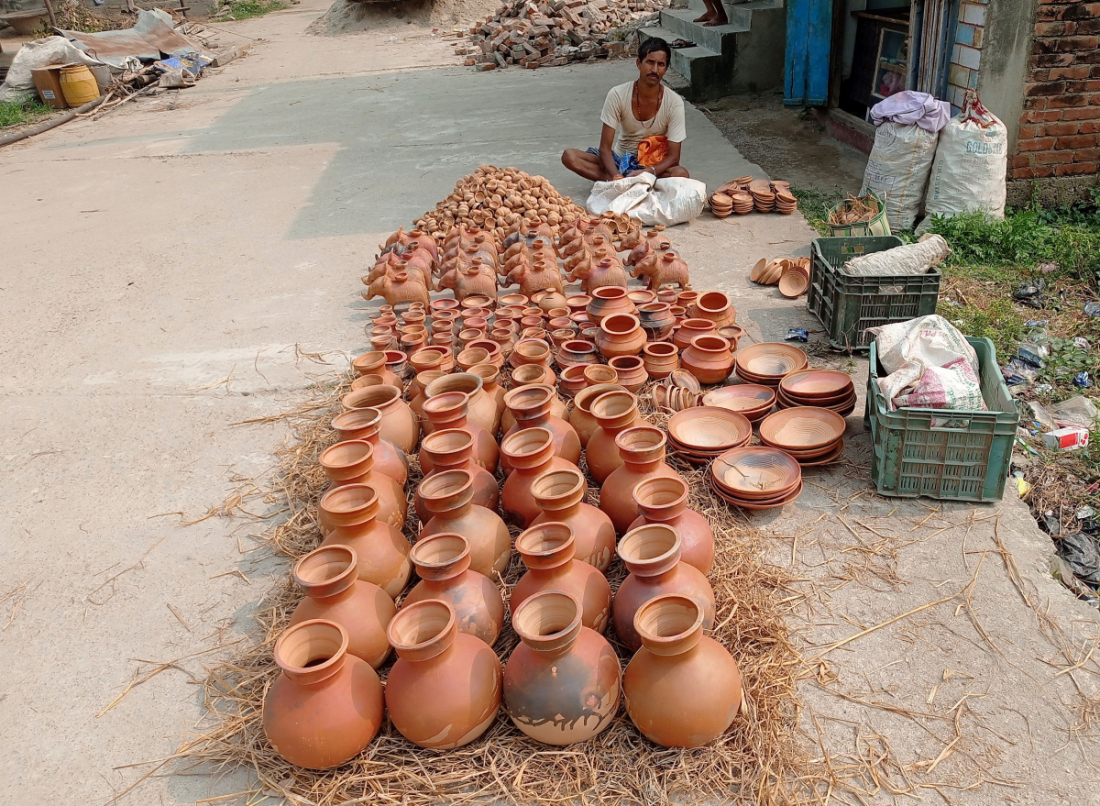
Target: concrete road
[{"x": 164, "y": 270}]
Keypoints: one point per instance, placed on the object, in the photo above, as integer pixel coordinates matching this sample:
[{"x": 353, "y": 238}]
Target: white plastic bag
[
  {"x": 971, "y": 164},
  {"x": 40, "y": 53},
  {"x": 648, "y": 199},
  {"x": 898, "y": 170}
]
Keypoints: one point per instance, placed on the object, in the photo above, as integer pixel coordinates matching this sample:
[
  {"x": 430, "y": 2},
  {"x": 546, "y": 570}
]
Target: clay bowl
[
  {"x": 825, "y": 459},
  {"x": 793, "y": 284},
  {"x": 802, "y": 428},
  {"x": 684, "y": 380},
  {"x": 772, "y": 503},
  {"x": 707, "y": 429},
  {"x": 758, "y": 269},
  {"x": 816, "y": 383},
  {"x": 754, "y": 473},
  {"x": 810, "y": 454},
  {"x": 785, "y": 401},
  {"x": 771, "y": 360},
  {"x": 742, "y": 397}
]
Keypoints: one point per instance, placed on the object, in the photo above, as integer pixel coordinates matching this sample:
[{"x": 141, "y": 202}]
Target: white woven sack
[{"x": 898, "y": 170}]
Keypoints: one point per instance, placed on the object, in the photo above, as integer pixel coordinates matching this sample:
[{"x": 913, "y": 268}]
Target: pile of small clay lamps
[
  {"x": 745, "y": 194},
  {"x": 432, "y": 382}
]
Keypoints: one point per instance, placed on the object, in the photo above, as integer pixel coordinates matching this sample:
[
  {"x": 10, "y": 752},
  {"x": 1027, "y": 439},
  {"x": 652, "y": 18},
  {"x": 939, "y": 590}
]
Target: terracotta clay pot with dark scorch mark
[
  {"x": 450, "y": 410},
  {"x": 642, "y": 449},
  {"x": 562, "y": 683},
  {"x": 449, "y": 497},
  {"x": 453, "y": 449},
  {"x": 561, "y": 494},
  {"x": 326, "y": 705},
  {"x": 614, "y": 412},
  {"x": 443, "y": 563},
  {"x": 383, "y": 552},
  {"x": 664, "y": 500},
  {"x": 530, "y": 453},
  {"x": 352, "y": 462},
  {"x": 444, "y": 690},
  {"x": 399, "y": 425},
  {"x": 364, "y": 424},
  {"x": 682, "y": 688},
  {"x": 530, "y": 406}
]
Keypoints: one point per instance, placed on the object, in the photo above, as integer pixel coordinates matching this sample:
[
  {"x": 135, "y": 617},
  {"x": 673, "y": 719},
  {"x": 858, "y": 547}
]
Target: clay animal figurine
[
  {"x": 667, "y": 268},
  {"x": 399, "y": 288},
  {"x": 531, "y": 279}
]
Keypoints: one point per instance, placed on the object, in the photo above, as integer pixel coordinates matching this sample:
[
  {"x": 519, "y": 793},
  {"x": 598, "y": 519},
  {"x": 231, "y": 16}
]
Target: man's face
[{"x": 652, "y": 68}]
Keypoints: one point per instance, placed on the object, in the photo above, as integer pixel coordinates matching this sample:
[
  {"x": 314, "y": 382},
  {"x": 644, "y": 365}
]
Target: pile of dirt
[{"x": 352, "y": 16}]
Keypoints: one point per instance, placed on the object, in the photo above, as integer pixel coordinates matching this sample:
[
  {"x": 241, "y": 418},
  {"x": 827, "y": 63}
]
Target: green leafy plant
[
  {"x": 13, "y": 113},
  {"x": 1066, "y": 360},
  {"x": 997, "y": 320},
  {"x": 246, "y": 9}
]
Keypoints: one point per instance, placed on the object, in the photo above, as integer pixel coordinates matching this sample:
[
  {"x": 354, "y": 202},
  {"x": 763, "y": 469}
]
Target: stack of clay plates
[
  {"x": 756, "y": 477},
  {"x": 781, "y": 186},
  {"x": 785, "y": 202},
  {"x": 740, "y": 183},
  {"x": 721, "y": 205},
  {"x": 823, "y": 388},
  {"x": 704, "y": 432},
  {"x": 762, "y": 195},
  {"x": 768, "y": 363},
  {"x": 742, "y": 202},
  {"x": 795, "y": 278},
  {"x": 767, "y": 272},
  {"x": 811, "y": 436},
  {"x": 752, "y": 400}
]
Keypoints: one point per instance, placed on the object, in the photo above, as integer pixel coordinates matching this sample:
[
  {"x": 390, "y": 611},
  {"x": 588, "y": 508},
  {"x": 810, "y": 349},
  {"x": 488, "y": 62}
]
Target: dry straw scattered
[{"x": 757, "y": 761}]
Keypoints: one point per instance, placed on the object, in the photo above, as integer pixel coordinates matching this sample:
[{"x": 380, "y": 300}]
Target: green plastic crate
[
  {"x": 911, "y": 457},
  {"x": 847, "y": 305}
]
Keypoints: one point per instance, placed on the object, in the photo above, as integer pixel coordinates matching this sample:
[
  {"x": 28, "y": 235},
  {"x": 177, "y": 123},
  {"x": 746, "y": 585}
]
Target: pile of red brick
[{"x": 557, "y": 32}]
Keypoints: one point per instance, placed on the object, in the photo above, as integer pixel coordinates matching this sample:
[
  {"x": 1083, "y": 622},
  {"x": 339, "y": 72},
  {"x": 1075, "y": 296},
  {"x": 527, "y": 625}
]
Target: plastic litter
[
  {"x": 1032, "y": 353},
  {"x": 1063, "y": 572},
  {"x": 797, "y": 334},
  {"x": 1082, "y": 380},
  {"x": 1036, "y": 323},
  {"x": 1067, "y": 439},
  {"x": 1039, "y": 415},
  {"x": 1083, "y": 555},
  {"x": 1078, "y": 411},
  {"x": 1031, "y": 294},
  {"x": 1092, "y": 309}
]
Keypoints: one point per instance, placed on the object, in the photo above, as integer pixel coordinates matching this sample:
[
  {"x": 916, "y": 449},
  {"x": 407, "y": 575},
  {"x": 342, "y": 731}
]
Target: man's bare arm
[{"x": 607, "y": 158}]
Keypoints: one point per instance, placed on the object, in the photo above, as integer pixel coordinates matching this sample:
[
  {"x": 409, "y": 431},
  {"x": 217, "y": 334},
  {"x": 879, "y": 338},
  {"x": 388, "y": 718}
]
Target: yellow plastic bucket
[{"x": 78, "y": 85}]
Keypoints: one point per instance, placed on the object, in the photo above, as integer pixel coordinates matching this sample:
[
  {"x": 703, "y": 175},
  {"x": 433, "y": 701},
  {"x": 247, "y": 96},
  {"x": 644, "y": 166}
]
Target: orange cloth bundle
[{"x": 652, "y": 150}]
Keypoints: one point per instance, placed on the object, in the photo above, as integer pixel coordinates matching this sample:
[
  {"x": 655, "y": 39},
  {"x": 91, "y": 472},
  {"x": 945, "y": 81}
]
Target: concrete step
[
  {"x": 719, "y": 38},
  {"x": 696, "y": 66}
]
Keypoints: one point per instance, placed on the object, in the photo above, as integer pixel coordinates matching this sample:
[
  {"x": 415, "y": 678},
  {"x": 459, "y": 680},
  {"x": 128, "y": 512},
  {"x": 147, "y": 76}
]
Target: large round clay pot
[
  {"x": 363, "y": 381},
  {"x": 392, "y": 504},
  {"x": 652, "y": 555},
  {"x": 664, "y": 500},
  {"x": 449, "y": 497},
  {"x": 548, "y": 550},
  {"x": 629, "y": 372},
  {"x": 660, "y": 359},
  {"x": 443, "y": 563},
  {"x": 329, "y": 578},
  {"x": 326, "y": 705},
  {"x": 481, "y": 408},
  {"x": 530, "y": 351},
  {"x": 708, "y": 358},
  {"x": 573, "y": 380},
  {"x": 397, "y": 362},
  {"x": 614, "y": 412},
  {"x": 444, "y": 690},
  {"x": 530, "y": 406},
  {"x": 352, "y": 462},
  {"x": 364, "y": 424},
  {"x": 352, "y": 515},
  {"x": 607, "y": 301},
  {"x": 528, "y": 375},
  {"x": 574, "y": 352},
  {"x": 715, "y": 306},
  {"x": 560, "y": 494},
  {"x": 531, "y": 453},
  {"x": 688, "y": 330},
  {"x": 642, "y": 449},
  {"x": 427, "y": 358},
  {"x": 451, "y": 410},
  {"x": 682, "y": 688},
  {"x": 581, "y": 417},
  {"x": 620, "y": 334},
  {"x": 562, "y": 683},
  {"x": 374, "y": 363},
  {"x": 490, "y": 384},
  {"x": 453, "y": 449},
  {"x": 399, "y": 425},
  {"x": 657, "y": 320}
]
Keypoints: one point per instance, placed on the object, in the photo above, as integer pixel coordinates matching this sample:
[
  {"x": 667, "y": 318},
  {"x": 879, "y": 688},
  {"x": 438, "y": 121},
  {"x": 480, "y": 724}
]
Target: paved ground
[{"x": 164, "y": 264}]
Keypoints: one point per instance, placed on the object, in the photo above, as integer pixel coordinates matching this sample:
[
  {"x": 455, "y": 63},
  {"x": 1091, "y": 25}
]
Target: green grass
[
  {"x": 814, "y": 206},
  {"x": 997, "y": 320},
  {"x": 12, "y": 113},
  {"x": 246, "y": 9}
]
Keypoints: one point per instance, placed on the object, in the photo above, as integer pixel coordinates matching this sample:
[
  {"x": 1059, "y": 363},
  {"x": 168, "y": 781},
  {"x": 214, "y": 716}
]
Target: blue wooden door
[{"x": 809, "y": 38}]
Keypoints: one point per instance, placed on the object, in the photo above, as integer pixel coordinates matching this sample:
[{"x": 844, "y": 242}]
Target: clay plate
[
  {"x": 825, "y": 459},
  {"x": 758, "y": 504},
  {"x": 793, "y": 283},
  {"x": 771, "y": 360},
  {"x": 756, "y": 472},
  {"x": 802, "y": 428},
  {"x": 742, "y": 397},
  {"x": 813, "y": 383},
  {"x": 785, "y": 401},
  {"x": 708, "y": 429}
]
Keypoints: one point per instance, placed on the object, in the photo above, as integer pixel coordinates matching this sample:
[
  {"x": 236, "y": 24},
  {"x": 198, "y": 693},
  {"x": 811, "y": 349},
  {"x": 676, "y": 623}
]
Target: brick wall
[
  {"x": 966, "y": 56},
  {"x": 1059, "y": 132}
]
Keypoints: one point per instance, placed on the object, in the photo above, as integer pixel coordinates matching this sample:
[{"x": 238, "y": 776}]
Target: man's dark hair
[{"x": 653, "y": 45}]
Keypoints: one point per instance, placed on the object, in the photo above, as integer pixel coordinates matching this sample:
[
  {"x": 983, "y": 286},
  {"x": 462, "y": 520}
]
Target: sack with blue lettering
[{"x": 971, "y": 163}]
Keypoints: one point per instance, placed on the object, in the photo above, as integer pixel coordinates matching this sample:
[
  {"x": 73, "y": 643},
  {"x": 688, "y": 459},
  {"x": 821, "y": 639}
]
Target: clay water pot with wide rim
[
  {"x": 363, "y": 381},
  {"x": 537, "y": 375},
  {"x": 689, "y": 329},
  {"x": 530, "y": 407},
  {"x": 352, "y": 514},
  {"x": 682, "y": 688},
  {"x": 382, "y": 339},
  {"x": 399, "y": 424},
  {"x": 481, "y": 408},
  {"x": 716, "y": 307},
  {"x": 562, "y": 683},
  {"x": 397, "y": 362},
  {"x": 374, "y": 363},
  {"x": 490, "y": 384},
  {"x": 495, "y": 355},
  {"x": 453, "y": 449},
  {"x": 597, "y": 374},
  {"x": 365, "y": 424},
  {"x": 429, "y": 358},
  {"x": 326, "y": 705},
  {"x": 573, "y": 379},
  {"x": 614, "y": 412},
  {"x": 660, "y": 359},
  {"x": 444, "y": 690},
  {"x": 629, "y": 372},
  {"x": 352, "y": 462},
  {"x": 449, "y": 496},
  {"x": 607, "y": 301},
  {"x": 561, "y": 496},
  {"x": 471, "y": 356},
  {"x": 664, "y": 500},
  {"x": 530, "y": 351},
  {"x": 620, "y": 334},
  {"x": 443, "y": 563},
  {"x": 548, "y": 550},
  {"x": 657, "y": 320},
  {"x": 709, "y": 359},
  {"x": 329, "y": 578},
  {"x": 642, "y": 449},
  {"x": 530, "y": 453},
  {"x": 574, "y": 352},
  {"x": 451, "y": 410},
  {"x": 652, "y": 556},
  {"x": 581, "y": 417}
]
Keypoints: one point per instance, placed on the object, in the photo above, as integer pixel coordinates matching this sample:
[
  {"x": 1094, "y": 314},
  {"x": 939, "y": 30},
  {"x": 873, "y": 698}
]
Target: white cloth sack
[
  {"x": 649, "y": 199},
  {"x": 898, "y": 170},
  {"x": 913, "y": 258},
  {"x": 40, "y": 53},
  {"x": 971, "y": 164},
  {"x": 930, "y": 365},
  {"x": 912, "y": 108}
]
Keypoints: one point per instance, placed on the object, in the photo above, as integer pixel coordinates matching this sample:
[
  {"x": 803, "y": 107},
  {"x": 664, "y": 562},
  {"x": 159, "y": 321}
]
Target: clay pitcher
[
  {"x": 560, "y": 494},
  {"x": 548, "y": 551},
  {"x": 614, "y": 412},
  {"x": 364, "y": 424},
  {"x": 353, "y": 516},
  {"x": 445, "y": 688},
  {"x": 352, "y": 462},
  {"x": 451, "y": 410},
  {"x": 449, "y": 497},
  {"x": 531, "y": 453},
  {"x": 562, "y": 683},
  {"x": 642, "y": 449},
  {"x": 581, "y": 417},
  {"x": 664, "y": 500},
  {"x": 326, "y": 705},
  {"x": 530, "y": 406},
  {"x": 452, "y": 449},
  {"x": 399, "y": 425}
]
